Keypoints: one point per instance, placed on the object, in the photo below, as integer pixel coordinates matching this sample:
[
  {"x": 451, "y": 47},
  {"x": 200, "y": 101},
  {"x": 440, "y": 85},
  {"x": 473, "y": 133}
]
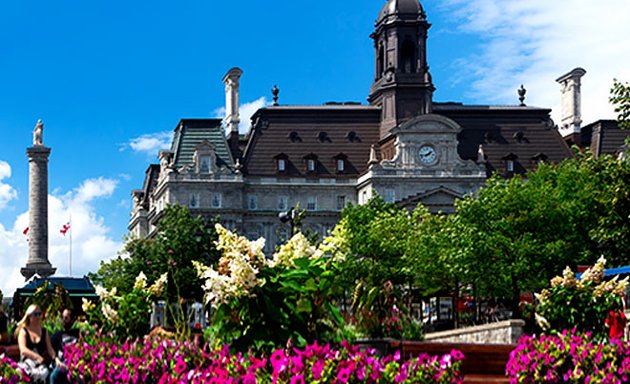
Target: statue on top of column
[{"x": 38, "y": 134}]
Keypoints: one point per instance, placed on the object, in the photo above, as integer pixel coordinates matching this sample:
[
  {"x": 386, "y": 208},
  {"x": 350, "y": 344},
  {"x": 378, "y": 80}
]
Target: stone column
[{"x": 37, "y": 262}]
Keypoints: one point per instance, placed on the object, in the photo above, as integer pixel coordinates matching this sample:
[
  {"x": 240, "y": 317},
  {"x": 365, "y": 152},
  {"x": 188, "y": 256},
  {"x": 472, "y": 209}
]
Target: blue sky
[{"x": 110, "y": 79}]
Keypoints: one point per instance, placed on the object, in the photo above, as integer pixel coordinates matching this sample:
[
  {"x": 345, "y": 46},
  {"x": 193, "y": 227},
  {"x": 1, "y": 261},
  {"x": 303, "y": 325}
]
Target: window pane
[
  {"x": 340, "y": 165},
  {"x": 283, "y": 203},
  {"x": 311, "y": 204},
  {"x": 252, "y": 203},
  {"x": 193, "y": 201},
  {"x": 216, "y": 200},
  {"x": 341, "y": 202}
]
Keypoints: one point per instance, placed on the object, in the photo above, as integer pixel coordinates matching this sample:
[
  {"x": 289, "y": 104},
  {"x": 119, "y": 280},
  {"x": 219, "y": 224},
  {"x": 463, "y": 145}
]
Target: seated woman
[{"x": 35, "y": 346}]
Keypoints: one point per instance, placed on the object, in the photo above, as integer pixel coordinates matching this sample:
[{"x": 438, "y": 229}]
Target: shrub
[
  {"x": 260, "y": 303},
  {"x": 568, "y": 357},
  {"x": 581, "y": 304}
]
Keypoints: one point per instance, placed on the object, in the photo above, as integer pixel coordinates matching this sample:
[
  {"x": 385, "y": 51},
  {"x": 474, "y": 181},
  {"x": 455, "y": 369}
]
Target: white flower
[
  {"x": 157, "y": 288},
  {"x": 542, "y": 322},
  {"x": 109, "y": 313},
  {"x": 101, "y": 292},
  {"x": 87, "y": 305},
  {"x": 141, "y": 282}
]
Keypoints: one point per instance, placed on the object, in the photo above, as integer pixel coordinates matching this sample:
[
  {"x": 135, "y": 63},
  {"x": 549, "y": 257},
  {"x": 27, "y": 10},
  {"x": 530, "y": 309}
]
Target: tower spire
[{"x": 402, "y": 86}]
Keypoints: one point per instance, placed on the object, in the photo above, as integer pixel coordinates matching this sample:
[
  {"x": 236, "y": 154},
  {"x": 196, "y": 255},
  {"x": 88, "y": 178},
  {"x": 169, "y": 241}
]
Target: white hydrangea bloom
[{"x": 141, "y": 282}]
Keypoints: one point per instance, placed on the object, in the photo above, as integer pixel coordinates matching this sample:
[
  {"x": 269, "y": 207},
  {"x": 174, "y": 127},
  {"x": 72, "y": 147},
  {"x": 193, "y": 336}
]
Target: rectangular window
[
  {"x": 341, "y": 202},
  {"x": 215, "y": 200},
  {"x": 310, "y": 165},
  {"x": 204, "y": 164},
  {"x": 282, "y": 165},
  {"x": 341, "y": 165},
  {"x": 311, "y": 203},
  {"x": 390, "y": 196},
  {"x": 252, "y": 202},
  {"x": 283, "y": 203},
  {"x": 193, "y": 200},
  {"x": 509, "y": 164}
]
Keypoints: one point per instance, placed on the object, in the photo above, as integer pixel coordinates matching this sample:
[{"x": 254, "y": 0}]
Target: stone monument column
[{"x": 37, "y": 262}]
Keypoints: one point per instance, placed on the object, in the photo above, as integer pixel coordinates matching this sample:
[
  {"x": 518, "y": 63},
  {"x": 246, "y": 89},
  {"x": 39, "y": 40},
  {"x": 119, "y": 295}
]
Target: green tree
[
  {"x": 620, "y": 99},
  {"x": 179, "y": 240}
]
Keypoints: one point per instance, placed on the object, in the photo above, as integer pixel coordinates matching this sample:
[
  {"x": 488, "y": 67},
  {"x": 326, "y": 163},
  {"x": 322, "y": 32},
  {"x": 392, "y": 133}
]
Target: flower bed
[
  {"x": 10, "y": 373},
  {"x": 569, "y": 357},
  {"x": 169, "y": 361}
]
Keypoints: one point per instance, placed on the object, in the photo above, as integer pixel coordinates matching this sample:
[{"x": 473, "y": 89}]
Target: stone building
[{"x": 402, "y": 145}]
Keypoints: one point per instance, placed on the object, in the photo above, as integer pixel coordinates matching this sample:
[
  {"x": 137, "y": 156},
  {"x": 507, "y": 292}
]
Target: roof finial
[
  {"x": 521, "y": 95},
  {"x": 373, "y": 159},
  {"x": 275, "y": 91}
]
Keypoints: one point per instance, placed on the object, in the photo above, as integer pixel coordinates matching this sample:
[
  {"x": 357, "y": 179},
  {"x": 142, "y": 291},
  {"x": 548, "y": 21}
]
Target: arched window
[
  {"x": 408, "y": 56},
  {"x": 380, "y": 62}
]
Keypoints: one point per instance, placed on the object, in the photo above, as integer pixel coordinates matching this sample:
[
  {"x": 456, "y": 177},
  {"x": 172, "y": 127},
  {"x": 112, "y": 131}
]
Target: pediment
[
  {"x": 430, "y": 123},
  {"x": 205, "y": 147},
  {"x": 437, "y": 199}
]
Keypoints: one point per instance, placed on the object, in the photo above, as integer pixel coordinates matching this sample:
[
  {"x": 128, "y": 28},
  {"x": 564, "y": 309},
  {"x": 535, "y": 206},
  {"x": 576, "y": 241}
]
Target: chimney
[
  {"x": 232, "y": 118},
  {"x": 571, "y": 112}
]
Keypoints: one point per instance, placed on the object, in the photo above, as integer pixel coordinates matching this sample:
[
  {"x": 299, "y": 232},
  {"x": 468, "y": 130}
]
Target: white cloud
[
  {"x": 533, "y": 42},
  {"x": 246, "y": 111},
  {"x": 151, "y": 143},
  {"x": 91, "y": 239},
  {"x": 7, "y": 192}
]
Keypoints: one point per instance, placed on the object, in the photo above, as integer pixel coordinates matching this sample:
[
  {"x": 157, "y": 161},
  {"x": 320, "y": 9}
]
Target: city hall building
[{"x": 402, "y": 145}]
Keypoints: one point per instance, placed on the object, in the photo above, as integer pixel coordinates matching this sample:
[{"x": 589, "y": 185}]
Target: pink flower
[
  {"x": 344, "y": 375},
  {"x": 317, "y": 369},
  {"x": 278, "y": 361}
]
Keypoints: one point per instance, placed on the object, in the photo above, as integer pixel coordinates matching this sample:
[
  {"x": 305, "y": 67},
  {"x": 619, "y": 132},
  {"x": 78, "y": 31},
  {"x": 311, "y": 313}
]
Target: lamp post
[{"x": 294, "y": 217}]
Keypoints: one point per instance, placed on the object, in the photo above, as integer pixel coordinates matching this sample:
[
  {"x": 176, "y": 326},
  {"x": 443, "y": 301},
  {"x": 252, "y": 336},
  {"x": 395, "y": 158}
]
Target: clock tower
[{"x": 402, "y": 86}]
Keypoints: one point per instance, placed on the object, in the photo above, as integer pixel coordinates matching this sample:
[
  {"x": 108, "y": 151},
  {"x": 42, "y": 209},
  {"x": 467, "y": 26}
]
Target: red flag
[
  {"x": 25, "y": 231},
  {"x": 64, "y": 229}
]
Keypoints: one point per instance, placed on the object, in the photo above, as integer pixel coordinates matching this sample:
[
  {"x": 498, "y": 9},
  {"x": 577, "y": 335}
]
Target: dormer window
[
  {"x": 340, "y": 163},
  {"x": 204, "y": 158},
  {"x": 295, "y": 137},
  {"x": 539, "y": 158},
  {"x": 353, "y": 137},
  {"x": 510, "y": 163},
  {"x": 323, "y": 137},
  {"x": 282, "y": 163},
  {"x": 310, "y": 161}
]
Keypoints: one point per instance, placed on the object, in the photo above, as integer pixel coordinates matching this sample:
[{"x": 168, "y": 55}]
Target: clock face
[{"x": 427, "y": 154}]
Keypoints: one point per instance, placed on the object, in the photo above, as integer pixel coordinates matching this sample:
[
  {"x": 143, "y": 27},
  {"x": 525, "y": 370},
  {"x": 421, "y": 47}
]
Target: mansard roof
[
  {"x": 604, "y": 137},
  {"x": 527, "y": 133},
  {"x": 190, "y": 133},
  {"x": 324, "y": 131}
]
